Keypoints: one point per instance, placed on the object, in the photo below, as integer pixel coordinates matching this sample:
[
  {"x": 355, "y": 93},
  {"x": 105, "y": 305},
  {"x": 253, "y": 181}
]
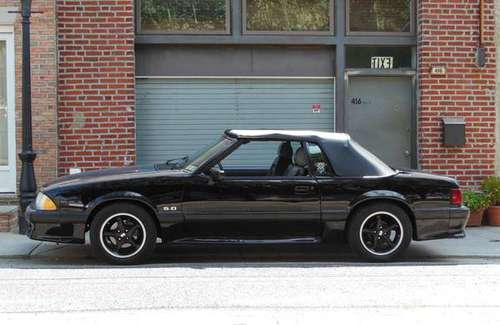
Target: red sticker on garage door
[{"x": 316, "y": 108}]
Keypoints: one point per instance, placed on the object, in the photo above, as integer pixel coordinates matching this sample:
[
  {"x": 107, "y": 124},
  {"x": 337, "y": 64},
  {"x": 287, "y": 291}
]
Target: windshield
[{"x": 206, "y": 153}]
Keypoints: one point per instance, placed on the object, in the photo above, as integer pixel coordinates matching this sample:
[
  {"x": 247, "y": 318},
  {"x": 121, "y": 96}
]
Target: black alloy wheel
[
  {"x": 123, "y": 234},
  {"x": 379, "y": 231}
]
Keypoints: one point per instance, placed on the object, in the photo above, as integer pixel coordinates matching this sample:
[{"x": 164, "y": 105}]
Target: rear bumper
[
  {"x": 49, "y": 226},
  {"x": 441, "y": 223},
  {"x": 458, "y": 219}
]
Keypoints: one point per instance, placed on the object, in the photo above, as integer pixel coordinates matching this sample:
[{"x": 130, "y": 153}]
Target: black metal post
[{"x": 27, "y": 186}]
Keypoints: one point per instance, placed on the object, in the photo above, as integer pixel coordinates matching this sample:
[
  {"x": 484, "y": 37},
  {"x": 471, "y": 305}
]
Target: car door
[
  {"x": 336, "y": 193},
  {"x": 245, "y": 201}
]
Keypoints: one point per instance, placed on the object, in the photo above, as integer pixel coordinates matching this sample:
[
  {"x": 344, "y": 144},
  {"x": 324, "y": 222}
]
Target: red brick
[
  {"x": 448, "y": 35},
  {"x": 98, "y": 58}
]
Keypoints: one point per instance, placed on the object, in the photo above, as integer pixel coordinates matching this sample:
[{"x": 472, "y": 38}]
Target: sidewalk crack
[{"x": 34, "y": 249}]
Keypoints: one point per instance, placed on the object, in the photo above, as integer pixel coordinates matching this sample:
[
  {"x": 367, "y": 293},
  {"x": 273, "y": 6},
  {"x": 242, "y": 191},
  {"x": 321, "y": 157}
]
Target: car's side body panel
[{"x": 252, "y": 206}]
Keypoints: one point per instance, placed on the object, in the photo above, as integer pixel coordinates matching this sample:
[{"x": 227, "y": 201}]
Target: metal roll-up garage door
[{"x": 176, "y": 117}]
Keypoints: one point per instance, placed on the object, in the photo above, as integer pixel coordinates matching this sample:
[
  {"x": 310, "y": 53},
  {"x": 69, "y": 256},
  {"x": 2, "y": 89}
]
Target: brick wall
[
  {"x": 497, "y": 45},
  {"x": 448, "y": 36},
  {"x": 44, "y": 85},
  {"x": 96, "y": 84}
]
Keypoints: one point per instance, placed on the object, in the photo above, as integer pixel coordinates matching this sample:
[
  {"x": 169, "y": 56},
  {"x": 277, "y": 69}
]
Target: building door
[
  {"x": 379, "y": 116},
  {"x": 7, "y": 111}
]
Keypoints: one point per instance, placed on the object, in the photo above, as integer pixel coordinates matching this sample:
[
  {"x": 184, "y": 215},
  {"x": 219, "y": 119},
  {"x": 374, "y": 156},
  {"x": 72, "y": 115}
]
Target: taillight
[{"x": 456, "y": 196}]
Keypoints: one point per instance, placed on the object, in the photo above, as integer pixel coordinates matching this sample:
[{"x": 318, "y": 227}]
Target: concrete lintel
[{"x": 7, "y": 18}]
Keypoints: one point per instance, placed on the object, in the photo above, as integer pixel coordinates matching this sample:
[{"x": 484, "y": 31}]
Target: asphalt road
[{"x": 251, "y": 285}]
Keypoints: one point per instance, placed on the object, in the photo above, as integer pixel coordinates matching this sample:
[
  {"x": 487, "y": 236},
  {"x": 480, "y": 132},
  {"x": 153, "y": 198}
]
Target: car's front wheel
[
  {"x": 380, "y": 231},
  {"x": 123, "y": 233}
]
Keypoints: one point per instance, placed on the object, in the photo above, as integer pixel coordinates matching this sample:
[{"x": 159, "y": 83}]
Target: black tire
[
  {"x": 123, "y": 233},
  {"x": 374, "y": 228}
]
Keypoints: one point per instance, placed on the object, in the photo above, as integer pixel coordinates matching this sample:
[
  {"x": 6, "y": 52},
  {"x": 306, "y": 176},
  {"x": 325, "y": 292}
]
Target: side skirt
[{"x": 250, "y": 241}]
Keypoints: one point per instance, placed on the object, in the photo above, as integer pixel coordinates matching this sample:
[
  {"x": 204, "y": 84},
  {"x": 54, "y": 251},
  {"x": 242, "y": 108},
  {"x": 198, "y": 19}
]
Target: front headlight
[{"x": 43, "y": 202}]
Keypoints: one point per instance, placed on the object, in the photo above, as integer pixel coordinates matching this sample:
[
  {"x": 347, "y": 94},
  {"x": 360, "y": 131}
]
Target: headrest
[
  {"x": 299, "y": 158},
  {"x": 285, "y": 150}
]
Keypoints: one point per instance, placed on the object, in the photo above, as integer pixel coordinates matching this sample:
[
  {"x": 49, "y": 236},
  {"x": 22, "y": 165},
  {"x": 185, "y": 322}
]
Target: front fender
[{"x": 117, "y": 196}]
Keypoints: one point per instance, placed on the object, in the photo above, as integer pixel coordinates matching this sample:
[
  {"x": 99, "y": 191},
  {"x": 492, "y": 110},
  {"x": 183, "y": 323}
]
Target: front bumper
[{"x": 50, "y": 226}]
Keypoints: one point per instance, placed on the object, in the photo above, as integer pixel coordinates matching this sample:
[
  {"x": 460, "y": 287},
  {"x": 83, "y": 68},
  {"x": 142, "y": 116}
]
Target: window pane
[
  {"x": 288, "y": 15},
  {"x": 183, "y": 15},
  {"x": 253, "y": 155},
  {"x": 256, "y": 155},
  {"x": 380, "y": 15},
  {"x": 361, "y": 56}
]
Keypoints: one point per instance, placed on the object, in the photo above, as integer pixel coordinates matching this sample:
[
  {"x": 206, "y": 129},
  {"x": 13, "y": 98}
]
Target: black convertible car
[{"x": 252, "y": 186}]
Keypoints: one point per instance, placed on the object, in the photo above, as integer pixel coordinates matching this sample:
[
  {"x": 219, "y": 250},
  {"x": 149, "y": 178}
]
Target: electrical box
[{"x": 454, "y": 131}]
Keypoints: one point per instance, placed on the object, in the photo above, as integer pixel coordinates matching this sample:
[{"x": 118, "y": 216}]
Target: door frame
[
  {"x": 7, "y": 35},
  {"x": 409, "y": 73}
]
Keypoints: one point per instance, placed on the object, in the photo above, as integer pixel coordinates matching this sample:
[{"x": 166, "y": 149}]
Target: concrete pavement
[
  {"x": 453, "y": 281},
  {"x": 250, "y": 293},
  {"x": 480, "y": 243}
]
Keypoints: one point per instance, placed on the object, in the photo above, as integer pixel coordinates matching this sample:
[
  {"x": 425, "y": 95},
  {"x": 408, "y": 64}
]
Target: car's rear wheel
[
  {"x": 379, "y": 232},
  {"x": 123, "y": 234}
]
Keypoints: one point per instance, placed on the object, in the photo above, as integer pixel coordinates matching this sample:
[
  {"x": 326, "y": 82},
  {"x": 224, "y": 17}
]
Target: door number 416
[{"x": 356, "y": 101}]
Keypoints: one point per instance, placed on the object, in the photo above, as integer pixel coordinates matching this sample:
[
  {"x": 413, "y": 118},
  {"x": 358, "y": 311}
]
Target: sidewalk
[
  {"x": 14, "y": 245},
  {"x": 479, "y": 243}
]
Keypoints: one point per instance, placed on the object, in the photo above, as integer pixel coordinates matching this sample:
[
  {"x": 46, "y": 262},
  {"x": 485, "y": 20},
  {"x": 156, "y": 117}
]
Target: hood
[
  {"x": 110, "y": 174},
  {"x": 418, "y": 174}
]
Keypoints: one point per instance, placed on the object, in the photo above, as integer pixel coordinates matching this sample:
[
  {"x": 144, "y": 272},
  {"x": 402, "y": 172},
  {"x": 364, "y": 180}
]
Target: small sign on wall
[
  {"x": 316, "y": 108},
  {"x": 382, "y": 62}
]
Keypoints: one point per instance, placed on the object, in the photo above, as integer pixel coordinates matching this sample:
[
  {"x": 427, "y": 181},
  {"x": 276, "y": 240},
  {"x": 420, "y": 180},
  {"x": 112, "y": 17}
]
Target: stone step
[
  {"x": 8, "y": 218},
  {"x": 9, "y": 199}
]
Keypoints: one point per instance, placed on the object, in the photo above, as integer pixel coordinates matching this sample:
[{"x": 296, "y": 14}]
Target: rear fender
[
  {"x": 378, "y": 195},
  {"x": 387, "y": 196}
]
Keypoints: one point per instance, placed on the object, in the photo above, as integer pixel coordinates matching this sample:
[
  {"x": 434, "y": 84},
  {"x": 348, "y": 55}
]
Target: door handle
[{"x": 300, "y": 189}]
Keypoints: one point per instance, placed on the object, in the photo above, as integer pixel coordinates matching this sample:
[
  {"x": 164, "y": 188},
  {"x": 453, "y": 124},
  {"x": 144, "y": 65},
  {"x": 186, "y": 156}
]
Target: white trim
[
  {"x": 8, "y": 173},
  {"x": 233, "y": 77},
  {"x": 6, "y": 29}
]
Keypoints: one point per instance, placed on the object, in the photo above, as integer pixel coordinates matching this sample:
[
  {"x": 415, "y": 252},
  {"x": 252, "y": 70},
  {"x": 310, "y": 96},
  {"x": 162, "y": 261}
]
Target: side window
[
  {"x": 319, "y": 160},
  {"x": 267, "y": 158},
  {"x": 252, "y": 155}
]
